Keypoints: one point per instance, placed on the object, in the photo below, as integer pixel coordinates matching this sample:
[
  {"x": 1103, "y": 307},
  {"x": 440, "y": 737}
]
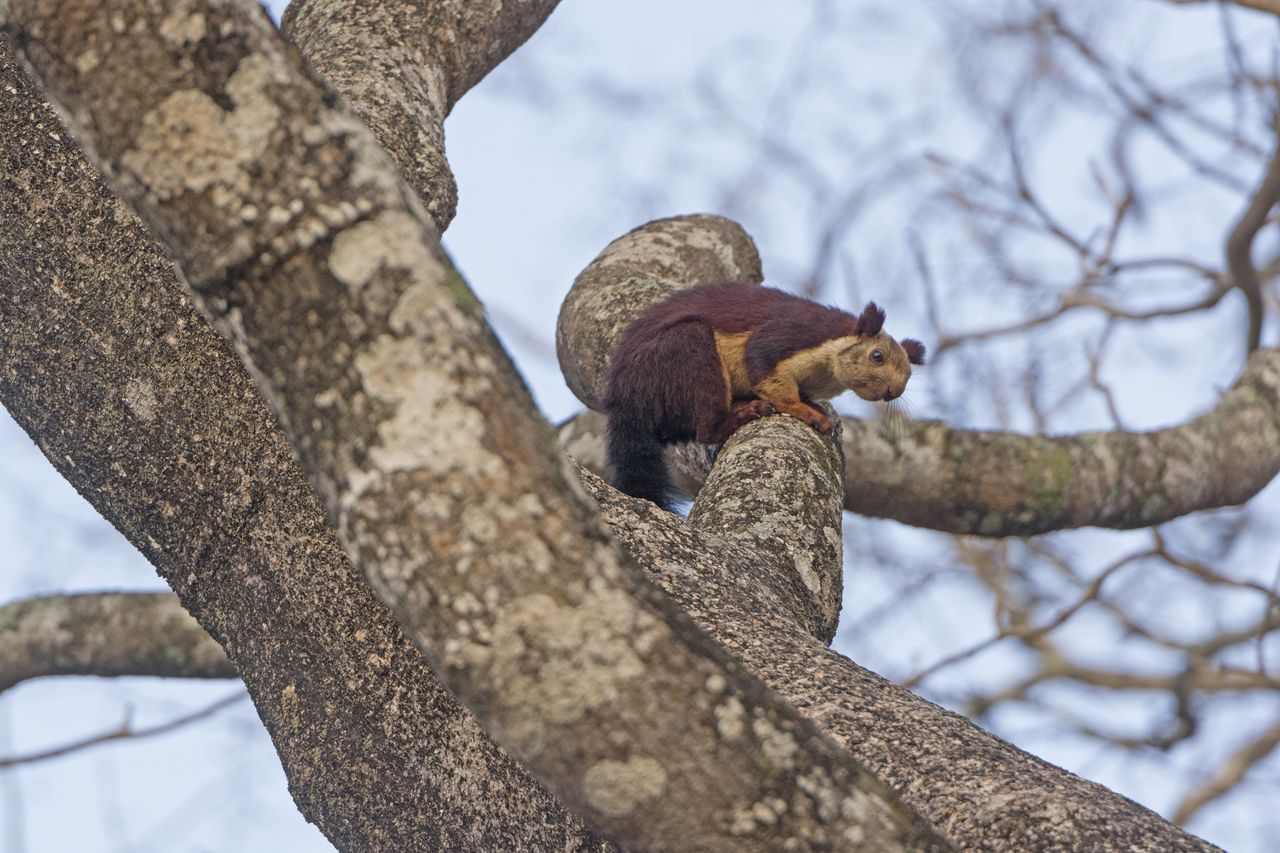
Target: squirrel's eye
[{"x": 877, "y": 356}]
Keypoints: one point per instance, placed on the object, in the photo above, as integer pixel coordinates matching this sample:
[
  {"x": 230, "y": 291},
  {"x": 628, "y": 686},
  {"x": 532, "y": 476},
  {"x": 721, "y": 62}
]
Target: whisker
[
  {"x": 892, "y": 421},
  {"x": 910, "y": 411}
]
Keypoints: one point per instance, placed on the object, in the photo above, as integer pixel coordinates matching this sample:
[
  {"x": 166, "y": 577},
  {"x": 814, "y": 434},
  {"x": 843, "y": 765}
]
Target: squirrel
[{"x": 710, "y": 358}]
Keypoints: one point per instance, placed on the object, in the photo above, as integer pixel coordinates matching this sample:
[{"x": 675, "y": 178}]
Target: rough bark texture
[
  {"x": 775, "y": 494},
  {"x": 1000, "y": 484},
  {"x": 403, "y": 66},
  {"x": 637, "y": 270},
  {"x": 147, "y": 412},
  {"x": 981, "y": 792},
  {"x": 928, "y": 474},
  {"x": 105, "y": 634},
  {"x": 448, "y": 493}
]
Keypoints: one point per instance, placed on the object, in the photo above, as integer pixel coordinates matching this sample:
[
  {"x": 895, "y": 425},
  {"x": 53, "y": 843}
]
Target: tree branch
[
  {"x": 636, "y": 270},
  {"x": 1271, "y": 7},
  {"x": 145, "y": 410},
  {"x": 125, "y": 731},
  {"x": 984, "y": 793},
  {"x": 733, "y": 590},
  {"x": 379, "y": 368},
  {"x": 754, "y": 500},
  {"x": 776, "y": 492},
  {"x": 1229, "y": 775},
  {"x": 930, "y": 475},
  {"x": 403, "y": 67},
  {"x": 107, "y": 634},
  {"x": 1239, "y": 245}
]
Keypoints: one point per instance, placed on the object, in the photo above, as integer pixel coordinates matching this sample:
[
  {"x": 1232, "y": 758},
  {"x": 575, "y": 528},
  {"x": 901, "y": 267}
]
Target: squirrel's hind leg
[{"x": 742, "y": 412}]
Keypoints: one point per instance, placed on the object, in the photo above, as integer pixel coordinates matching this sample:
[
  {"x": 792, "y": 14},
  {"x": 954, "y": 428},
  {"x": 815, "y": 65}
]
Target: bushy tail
[{"x": 636, "y": 462}]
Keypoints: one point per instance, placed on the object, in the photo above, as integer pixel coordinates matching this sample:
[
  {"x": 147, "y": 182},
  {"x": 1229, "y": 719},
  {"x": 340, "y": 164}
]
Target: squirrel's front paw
[
  {"x": 819, "y": 421},
  {"x": 811, "y": 416}
]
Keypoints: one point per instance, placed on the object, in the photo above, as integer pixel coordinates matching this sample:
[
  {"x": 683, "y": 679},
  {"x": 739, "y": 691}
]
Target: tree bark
[
  {"x": 147, "y": 412},
  {"x": 378, "y": 366},
  {"x": 983, "y": 793},
  {"x": 107, "y": 634},
  {"x": 402, "y": 67}
]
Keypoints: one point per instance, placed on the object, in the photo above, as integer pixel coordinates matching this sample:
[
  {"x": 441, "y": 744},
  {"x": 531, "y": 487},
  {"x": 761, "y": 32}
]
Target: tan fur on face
[
  {"x": 854, "y": 368},
  {"x": 843, "y": 364}
]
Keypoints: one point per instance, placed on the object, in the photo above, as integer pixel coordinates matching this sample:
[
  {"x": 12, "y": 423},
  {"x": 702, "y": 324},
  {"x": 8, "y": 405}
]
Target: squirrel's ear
[
  {"x": 914, "y": 349},
  {"x": 871, "y": 321}
]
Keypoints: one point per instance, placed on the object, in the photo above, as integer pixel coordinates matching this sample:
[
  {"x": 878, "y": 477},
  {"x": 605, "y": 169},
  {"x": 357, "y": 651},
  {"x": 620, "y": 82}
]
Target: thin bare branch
[
  {"x": 1239, "y": 245},
  {"x": 1232, "y": 771},
  {"x": 1029, "y": 634},
  {"x": 125, "y": 731}
]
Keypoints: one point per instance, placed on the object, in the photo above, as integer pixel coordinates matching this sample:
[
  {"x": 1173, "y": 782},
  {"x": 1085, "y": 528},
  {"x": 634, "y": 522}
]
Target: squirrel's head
[{"x": 875, "y": 366}]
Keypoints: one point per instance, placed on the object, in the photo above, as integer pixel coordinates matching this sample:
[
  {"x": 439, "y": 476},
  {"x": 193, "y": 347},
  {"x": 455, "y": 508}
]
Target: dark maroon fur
[
  {"x": 665, "y": 383},
  {"x": 664, "y": 387},
  {"x": 871, "y": 321},
  {"x": 794, "y": 326},
  {"x": 915, "y": 350}
]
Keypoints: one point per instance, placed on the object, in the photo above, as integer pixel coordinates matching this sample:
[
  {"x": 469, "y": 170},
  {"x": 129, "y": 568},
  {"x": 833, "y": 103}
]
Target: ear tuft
[
  {"x": 871, "y": 321},
  {"x": 914, "y": 349}
]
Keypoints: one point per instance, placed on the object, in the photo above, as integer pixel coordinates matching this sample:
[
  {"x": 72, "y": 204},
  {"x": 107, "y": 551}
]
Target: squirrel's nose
[{"x": 889, "y": 394}]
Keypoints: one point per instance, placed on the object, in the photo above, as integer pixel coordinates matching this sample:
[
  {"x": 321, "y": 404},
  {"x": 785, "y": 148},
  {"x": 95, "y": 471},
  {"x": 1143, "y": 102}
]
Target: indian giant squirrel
[{"x": 708, "y": 359}]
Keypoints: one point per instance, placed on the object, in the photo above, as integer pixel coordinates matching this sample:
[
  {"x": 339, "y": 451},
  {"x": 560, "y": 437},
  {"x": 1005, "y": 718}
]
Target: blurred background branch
[{"x": 105, "y": 634}]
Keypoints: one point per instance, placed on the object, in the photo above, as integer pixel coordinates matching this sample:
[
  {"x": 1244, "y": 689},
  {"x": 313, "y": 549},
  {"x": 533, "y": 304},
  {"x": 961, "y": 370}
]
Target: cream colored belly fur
[{"x": 811, "y": 368}]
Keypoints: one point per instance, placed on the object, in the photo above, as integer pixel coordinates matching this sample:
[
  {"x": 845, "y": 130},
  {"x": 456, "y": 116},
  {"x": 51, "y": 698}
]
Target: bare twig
[
  {"x": 1230, "y": 774},
  {"x": 125, "y": 731},
  {"x": 1239, "y": 245},
  {"x": 1030, "y": 634}
]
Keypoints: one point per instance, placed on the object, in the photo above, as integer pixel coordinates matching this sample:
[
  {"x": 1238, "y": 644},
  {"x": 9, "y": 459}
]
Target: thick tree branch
[
  {"x": 776, "y": 491},
  {"x": 145, "y": 410},
  {"x": 927, "y": 474},
  {"x": 633, "y": 272},
  {"x": 984, "y": 793},
  {"x": 403, "y": 66},
  {"x": 424, "y": 449},
  {"x": 998, "y": 484},
  {"x": 107, "y": 634}
]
